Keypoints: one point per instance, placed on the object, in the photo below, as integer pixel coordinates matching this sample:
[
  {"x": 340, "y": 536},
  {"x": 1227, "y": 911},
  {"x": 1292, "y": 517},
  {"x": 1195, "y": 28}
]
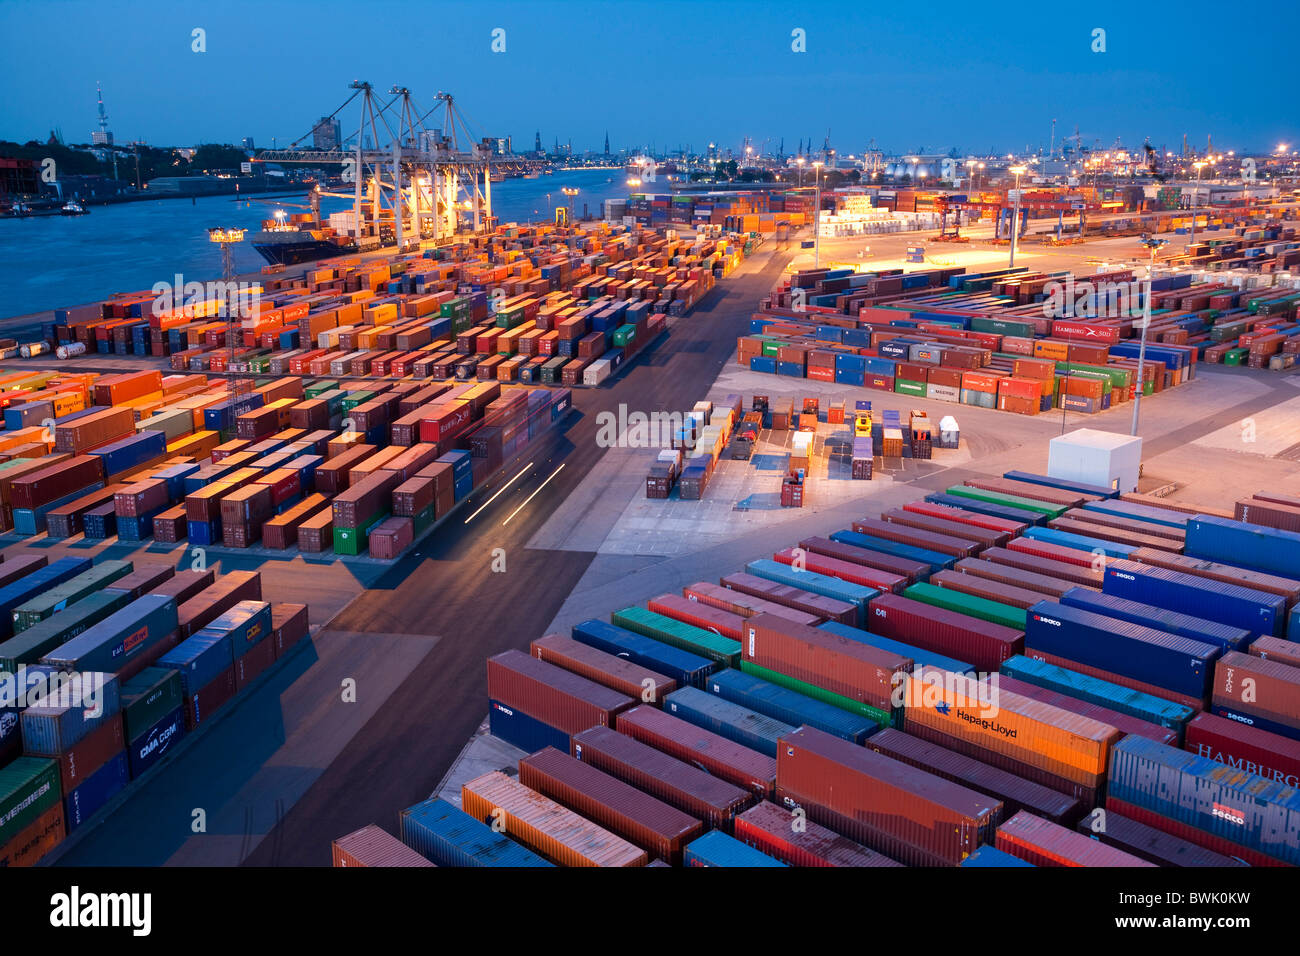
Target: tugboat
[{"x": 74, "y": 208}]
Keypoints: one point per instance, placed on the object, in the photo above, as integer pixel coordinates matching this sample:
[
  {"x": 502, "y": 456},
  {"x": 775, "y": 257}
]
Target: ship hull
[{"x": 295, "y": 253}]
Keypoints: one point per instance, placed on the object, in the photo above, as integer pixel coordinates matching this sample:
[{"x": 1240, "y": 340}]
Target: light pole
[
  {"x": 970, "y": 173},
  {"x": 817, "y": 218},
  {"x": 799, "y": 162},
  {"x": 1015, "y": 215},
  {"x": 1196, "y": 195},
  {"x": 570, "y": 191},
  {"x": 1142, "y": 352}
]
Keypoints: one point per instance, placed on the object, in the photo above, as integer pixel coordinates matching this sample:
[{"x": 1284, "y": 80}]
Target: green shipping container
[
  {"x": 679, "y": 634},
  {"x": 425, "y": 519},
  {"x": 69, "y": 592},
  {"x": 969, "y": 604},
  {"x": 770, "y": 348},
  {"x": 998, "y": 498},
  {"x": 28, "y": 787},
  {"x": 819, "y": 693},
  {"x": 352, "y": 541},
  {"x": 623, "y": 335},
  {"x": 553, "y": 370},
  {"x": 909, "y": 387},
  {"x": 509, "y": 318},
  {"x": 148, "y": 697},
  {"x": 59, "y": 628},
  {"x": 317, "y": 389},
  {"x": 353, "y": 399}
]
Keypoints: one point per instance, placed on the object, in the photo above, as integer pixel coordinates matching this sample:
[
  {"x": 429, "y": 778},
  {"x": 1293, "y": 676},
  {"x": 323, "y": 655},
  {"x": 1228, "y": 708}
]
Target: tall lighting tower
[{"x": 237, "y": 384}]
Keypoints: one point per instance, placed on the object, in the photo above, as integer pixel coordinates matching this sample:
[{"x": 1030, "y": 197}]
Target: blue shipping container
[
  {"x": 448, "y": 836},
  {"x": 1080, "y": 542},
  {"x": 856, "y": 594},
  {"x": 247, "y": 623},
  {"x": 1257, "y": 611},
  {"x": 1247, "y": 545},
  {"x": 523, "y": 730},
  {"x": 717, "y": 849},
  {"x": 1129, "y": 509},
  {"x": 156, "y": 742},
  {"x": 991, "y": 856},
  {"x": 1081, "y": 487},
  {"x": 687, "y": 669},
  {"x": 789, "y": 706},
  {"x": 738, "y": 724},
  {"x": 988, "y": 508},
  {"x": 1184, "y": 625},
  {"x": 937, "y": 561},
  {"x": 38, "y": 582},
  {"x": 201, "y": 658},
  {"x": 100, "y": 787},
  {"x": 66, "y": 714},
  {"x": 1124, "y": 700},
  {"x": 119, "y": 638}
]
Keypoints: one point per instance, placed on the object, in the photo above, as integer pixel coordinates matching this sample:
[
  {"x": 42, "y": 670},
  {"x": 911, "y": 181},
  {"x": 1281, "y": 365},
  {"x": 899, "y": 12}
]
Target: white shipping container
[
  {"x": 944, "y": 393},
  {"x": 596, "y": 372},
  {"x": 1096, "y": 458}
]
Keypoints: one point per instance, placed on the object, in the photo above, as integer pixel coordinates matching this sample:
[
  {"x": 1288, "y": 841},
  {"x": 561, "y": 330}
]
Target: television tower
[{"x": 105, "y": 137}]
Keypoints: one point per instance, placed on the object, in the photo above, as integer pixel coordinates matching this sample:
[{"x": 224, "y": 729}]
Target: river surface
[{"x": 51, "y": 261}]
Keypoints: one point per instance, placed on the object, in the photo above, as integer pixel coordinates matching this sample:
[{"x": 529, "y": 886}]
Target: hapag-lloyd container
[
  {"x": 1016, "y": 793},
  {"x": 998, "y": 723},
  {"x": 838, "y": 664},
  {"x": 688, "y": 788},
  {"x": 1249, "y": 545},
  {"x": 718, "y": 849},
  {"x": 1044, "y": 843},
  {"x": 787, "y": 705},
  {"x": 799, "y": 599},
  {"x": 918, "y": 655},
  {"x": 982, "y": 643},
  {"x": 373, "y": 846},
  {"x": 744, "y": 605},
  {"x": 1147, "y": 843},
  {"x": 1183, "y": 625},
  {"x": 770, "y": 829},
  {"x": 551, "y": 694},
  {"x": 544, "y": 825},
  {"x": 1258, "y": 693},
  {"x": 1257, "y": 611},
  {"x": 1125, "y": 700},
  {"x": 448, "y": 836},
  {"x": 746, "y": 727},
  {"x": 687, "y": 669},
  {"x": 1177, "y": 664},
  {"x": 661, "y": 830},
  {"x": 1208, "y": 803},
  {"x": 907, "y": 814},
  {"x": 616, "y": 673},
  {"x": 747, "y": 768}
]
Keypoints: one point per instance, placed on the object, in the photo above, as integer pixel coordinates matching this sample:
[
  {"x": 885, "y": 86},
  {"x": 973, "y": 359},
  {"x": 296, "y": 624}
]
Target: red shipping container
[
  {"x": 745, "y": 605},
  {"x": 1027, "y": 489},
  {"x": 255, "y": 660},
  {"x": 844, "y": 570},
  {"x": 213, "y": 601},
  {"x": 953, "y": 529},
  {"x": 88, "y": 754},
  {"x": 371, "y": 846},
  {"x": 289, "y": 625},
  {"x": 551, "y": 694},
  {"x": 687, "y": 788},
  {"x": 983, "y": 644},
  {"x": 1040, "y": 563},
  {"x": 1044, "y": 843},
  {"x": 284, "y": 484},
  {"x": 770, "y": 829},
  {"x": 698, "y": 615},
  {"x": 1258, "y": 687},
  {"x": 986, "y": 588},
  {"x": 907, "y": 814},
  {"x": 962, "y": 516},
  {"x": 444, "y": 421},
  {"x": 209, "y": 699},
  {"x": 1191, "y": 834},
  {"x": 616, "y": 673},
  {"x": 837, "y": 664},
  {"x": 1276, "y": 649},
  {"x": 1148, "y": 843},
  {"x": 830, "y": 609},
  {"x": 69, "y": 476},
  {"x": 1245, "y": 748},
  {"x": 943, "y": 543},
  {"x": 1267, "y": 513},
  {"x": 388, "y": 539},
  {"x": 725, "y": 759},
  {"x": 141, "y": 498}
]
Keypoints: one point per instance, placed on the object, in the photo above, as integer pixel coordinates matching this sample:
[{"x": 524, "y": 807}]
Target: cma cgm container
[
  {"x": 907, "y": 814},
  {"x": 746, "y": 727},
  {"x": 637, "y": 817},
  {"x": 1258, "y": 693},
  {"x": 984, "y": 644},
  {"x": 550, "y": 694},
  {"x": 1016, "y": 793},
  {"x": 1148, "y": 843},
  {"x": 789, "y": 706},
  {"x": 544, "y": 825},
  {"x": 724, "y": 758},
  {"x": 1183, "y": 625},
  {"x": 687, "y": 669},
  {"x": 373, "y": 846},
  {"x": 1257, "y": 611},
  {"x": 1124, "y": 700},
  {"x": 1249, "y": 545},
  {"x": 1044, "y": 843},
  {"x": 688, "y": 788},
  {"x": 718, "y": 849},
  {"x": 772, "y": 830},
  {"x": 1176, "y": 664},
  {"x": 1204, "y": 801},
  {"x": 448, "y": 836},
  {"x": 616, "y": 673}
]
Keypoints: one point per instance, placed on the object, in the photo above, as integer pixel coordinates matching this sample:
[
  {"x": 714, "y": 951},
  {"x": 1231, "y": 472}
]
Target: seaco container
[
  {"x": 616, "y": 673},
  {"x": 1226, "y": 573},
  {"x": 918, "y": 655},
  {"x": 747, "y": 768},
  {"x": 1257, "y": 611},
  {"x": 983, "y": 643},
  {"x": 789, "y": 706},
  {"x": 559, "y": 699},
  {"x": 687, "y": 669},
  {"x": 1147, "y": 843},
  {"x": 1230, "y": 811},
  {"x": 695, "y": 640},
  {"x": 799, "y": 599},
  {"x": 1243, "y": 747},
  {"x": 748, "y": 728},
  {"x": 1143, "y": 654},
  {"x": 121, "y": 639},
  {"x": 659, "y": 829},
  {"x": 374, "y": 846},
  {"x": 907, "y": 814},
  {"x": 1184, "y": 625},
  {"x": 1016, "y": 793},
  {"x": 545, "y": 826},
  {"x": 769, "y": 828},
  {"x": 743, "y": 605},
  {"x": 1254, "y": 546},
  {"x": 1124, "y": 700},
  {"x": 1258, "y": 692},
  {"x": 1124, "y": 723},
  {"x": 718, "y": 849},
  {"x": 687, "y": 788},
  {"x": 447, "y": 836},
  {"x": 842, "y": 666},
  {"x": 1044, "y": 843}
]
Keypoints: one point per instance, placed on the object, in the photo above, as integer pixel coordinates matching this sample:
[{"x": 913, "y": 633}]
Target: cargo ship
[{"x": 292, "y": 246}]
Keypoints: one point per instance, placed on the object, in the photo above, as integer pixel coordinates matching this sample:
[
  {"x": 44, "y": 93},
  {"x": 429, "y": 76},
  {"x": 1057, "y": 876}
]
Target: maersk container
[
  {"x": 30, "y": 585},
  {"x": 919, "y": 655},
  {"x": 1249, "y": 545},
  {"x": 1125, "y": 700},
  {"x": 120, "y": 638},
  {"x": 936, "y": 561},
  {"x": 789, "y": 706},
  {"x": 1257, "y": 611},
  {"x": 1184, "y": 625},
  {"x": 717, "y": 849},
  {"x": 1065, "y": 484},
  {"x": 749, "y": 728},
  {"x": 687, "y": 637},
  {"x": 689, "y": 670},
  {"x": 989, "y": 855},
  {"x": 859, "y": 595},
  {"x": 66, "y": 714},
  {"x": 448, "y": 836},
  {"x": 1144, "y": 654},
  {"x": 1231, "y": 806},
  {"x": 1080, "y": 542},
  {"x": 1019, "y": 515},
  {"x": 99, "y": 788}
]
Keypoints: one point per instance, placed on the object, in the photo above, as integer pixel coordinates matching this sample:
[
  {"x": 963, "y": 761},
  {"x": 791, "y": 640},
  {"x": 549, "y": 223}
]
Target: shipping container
[
  {"x": 1256, "y": 611},
  {"x": 125, "y": 641},
  {"x": 1124, "y": 700},
  {"x": 695, "y": 640},
  {"x": 1183, "y": 625},
  {"x": 549, "y": 694},
  {"x": 1148, "y": 843},
  {"x": 1258, "y": 693},
  {"x": 1253, "y": 546},
  {"x": 982, "y": 643},
  {"x": 616, "y": 673},
  {"x": 797, "y": 841},
  {"x": 721, "y": 756},
  {"x": 739, "y": 724},
  {"x": 1245, "y": 748},
  {"x": 371, "y": 846},
  {"x": 69, "y": 710},
  {"x": 744, "y": 605},
  {"x": 719, "y": 849},
  {"x": 1044, "y": 843},
  {"x": 447, "y": 836},
  {"x": 990, "y": 856},
  {"x": 687, "y": 669},
  {"x": 789, "y": 706},
  {"x": 792, "y": 597},
  {"x": 29, "y": 787}
]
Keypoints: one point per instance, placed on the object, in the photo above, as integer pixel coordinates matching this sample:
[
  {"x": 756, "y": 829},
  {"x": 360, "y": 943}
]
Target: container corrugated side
[
  {"x": 1044, "y": 843},
  {"x": 448, "y": 836},
  {"x": 787, "y": 705},
  {"x": 726, "y": 759},
  {"x": 373, "y": 846},
  {"x": 797, "y": 841},
  {"x": 718, "y": 849}
]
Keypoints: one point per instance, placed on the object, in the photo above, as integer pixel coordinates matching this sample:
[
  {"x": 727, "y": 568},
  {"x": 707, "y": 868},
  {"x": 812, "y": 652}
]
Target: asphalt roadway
[{"x": 448, "y": 589}]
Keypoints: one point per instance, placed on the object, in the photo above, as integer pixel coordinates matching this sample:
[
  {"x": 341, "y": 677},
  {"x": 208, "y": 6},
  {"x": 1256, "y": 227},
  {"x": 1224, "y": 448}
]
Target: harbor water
[{"x": 52, "y": 261}]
